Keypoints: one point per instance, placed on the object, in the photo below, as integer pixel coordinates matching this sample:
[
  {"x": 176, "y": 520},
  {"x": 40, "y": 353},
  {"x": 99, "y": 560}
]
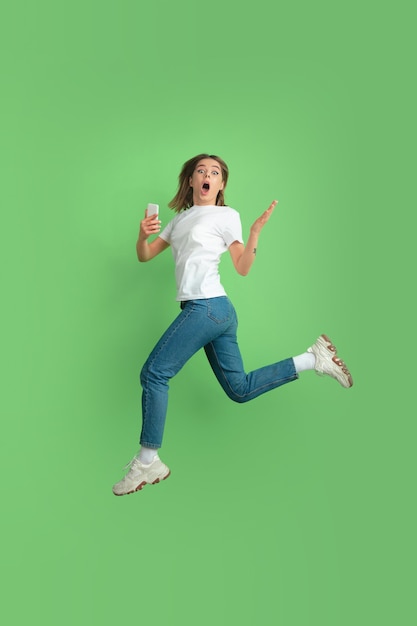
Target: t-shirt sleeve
[{"x": 233, "y": 228}]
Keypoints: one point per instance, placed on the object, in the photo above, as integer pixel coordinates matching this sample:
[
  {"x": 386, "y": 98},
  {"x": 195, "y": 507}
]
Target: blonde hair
[{"x": 183, "y": 199}]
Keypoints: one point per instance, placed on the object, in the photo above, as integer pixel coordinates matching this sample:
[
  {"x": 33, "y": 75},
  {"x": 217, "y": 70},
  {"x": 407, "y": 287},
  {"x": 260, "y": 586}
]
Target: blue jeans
[{"x": 210, "y": 324}]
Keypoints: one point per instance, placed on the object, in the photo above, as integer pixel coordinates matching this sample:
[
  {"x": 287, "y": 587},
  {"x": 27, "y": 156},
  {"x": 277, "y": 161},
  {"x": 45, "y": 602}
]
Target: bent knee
[
  {"x": 151, "y": 373},
  {"x": 233, "y": 395},
  {"x": 146, "y": 373}
]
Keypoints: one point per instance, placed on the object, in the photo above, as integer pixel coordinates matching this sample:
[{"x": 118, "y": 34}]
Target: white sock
[
  {"x": 304, "y": 362},
  {"x": 147, "y": 455}
]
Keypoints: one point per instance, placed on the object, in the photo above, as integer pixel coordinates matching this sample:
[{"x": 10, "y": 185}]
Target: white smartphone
[{"x": 153, "y": 209}]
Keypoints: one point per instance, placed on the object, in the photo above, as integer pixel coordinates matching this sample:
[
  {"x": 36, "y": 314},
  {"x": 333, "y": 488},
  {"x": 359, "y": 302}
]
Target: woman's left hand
[{"x": 262, "y": 220}]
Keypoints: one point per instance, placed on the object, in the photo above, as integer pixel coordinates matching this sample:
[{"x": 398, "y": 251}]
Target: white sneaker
[
  {"x": 140, "y": 475},
  {"x": 327, "y": 361}
]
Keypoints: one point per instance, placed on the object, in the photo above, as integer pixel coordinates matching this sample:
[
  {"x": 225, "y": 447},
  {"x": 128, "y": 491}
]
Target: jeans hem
[{"x": 152, "y": 446}]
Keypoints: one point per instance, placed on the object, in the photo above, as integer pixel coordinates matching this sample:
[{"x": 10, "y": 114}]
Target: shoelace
[{"x": 132, "y": 462}]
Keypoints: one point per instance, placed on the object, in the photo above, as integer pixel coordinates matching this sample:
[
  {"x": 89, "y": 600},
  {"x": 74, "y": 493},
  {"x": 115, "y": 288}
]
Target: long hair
[{"x": 183, "y": 199}]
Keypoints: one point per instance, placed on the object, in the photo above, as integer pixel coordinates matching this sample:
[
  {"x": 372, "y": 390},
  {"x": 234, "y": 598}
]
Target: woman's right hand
[{"x": 149, "y": 226}]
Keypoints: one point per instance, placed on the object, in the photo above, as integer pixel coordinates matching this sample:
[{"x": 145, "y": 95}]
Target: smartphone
[{"x": 153, "y": 209}]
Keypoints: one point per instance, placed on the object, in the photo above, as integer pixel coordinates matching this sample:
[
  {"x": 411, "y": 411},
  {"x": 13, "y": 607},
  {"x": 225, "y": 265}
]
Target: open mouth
[{"x": 206, "y": 186}]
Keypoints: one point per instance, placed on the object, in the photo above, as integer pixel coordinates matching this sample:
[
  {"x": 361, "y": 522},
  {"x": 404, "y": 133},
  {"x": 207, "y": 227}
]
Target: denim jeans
[{"x": 210, "y": 324}]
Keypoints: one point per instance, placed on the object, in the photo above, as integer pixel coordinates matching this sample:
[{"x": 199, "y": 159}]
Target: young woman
[{"x": 203, "y": 229}]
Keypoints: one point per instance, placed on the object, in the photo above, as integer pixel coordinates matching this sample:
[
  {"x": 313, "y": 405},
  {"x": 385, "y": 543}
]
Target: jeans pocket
[{"x": 219, "y": 309}]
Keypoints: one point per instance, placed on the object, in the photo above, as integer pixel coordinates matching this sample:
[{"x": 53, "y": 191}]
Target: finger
[
  {"x": 151, "y": 225},
  {"x": 151, "y": 220},
  {"x": 267, "y": 214}
]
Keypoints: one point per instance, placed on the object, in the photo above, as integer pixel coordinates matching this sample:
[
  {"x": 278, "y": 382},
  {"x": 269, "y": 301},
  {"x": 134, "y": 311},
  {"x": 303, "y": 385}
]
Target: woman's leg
[
  {"x": 200, "y": 322},
  {"x": 226, "y": 362}
]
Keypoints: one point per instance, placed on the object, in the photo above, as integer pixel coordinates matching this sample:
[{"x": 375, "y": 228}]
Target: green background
[{"x": 296, "y": 509}]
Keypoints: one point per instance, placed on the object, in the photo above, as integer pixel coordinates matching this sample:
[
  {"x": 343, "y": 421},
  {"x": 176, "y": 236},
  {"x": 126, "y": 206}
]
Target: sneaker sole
[
  {"x": 142, "y": 484},
  {"x": 338, "y": 361}
]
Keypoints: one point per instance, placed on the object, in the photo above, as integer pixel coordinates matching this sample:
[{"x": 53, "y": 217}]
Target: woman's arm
[
  {"x": 244, "y": 256},
  {"x": 145, "y": 250}
]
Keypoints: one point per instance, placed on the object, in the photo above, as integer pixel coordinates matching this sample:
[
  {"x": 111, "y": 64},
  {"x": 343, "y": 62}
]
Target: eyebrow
[{"x": 203, "y": 165}]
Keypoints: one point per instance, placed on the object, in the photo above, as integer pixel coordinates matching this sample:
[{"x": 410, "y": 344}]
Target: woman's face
[{"x": 206, "y": 182}]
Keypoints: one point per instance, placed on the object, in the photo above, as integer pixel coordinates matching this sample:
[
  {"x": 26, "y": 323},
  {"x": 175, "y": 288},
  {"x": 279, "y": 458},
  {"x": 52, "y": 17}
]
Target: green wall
[{"x": 296, "y": 509}]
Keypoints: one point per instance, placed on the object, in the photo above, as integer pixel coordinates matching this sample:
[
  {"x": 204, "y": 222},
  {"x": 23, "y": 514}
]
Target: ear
[{"x": 189, "y": 181}]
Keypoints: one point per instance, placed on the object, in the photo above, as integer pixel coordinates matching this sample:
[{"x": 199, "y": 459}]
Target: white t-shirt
[{"x": 198, "y": 237}]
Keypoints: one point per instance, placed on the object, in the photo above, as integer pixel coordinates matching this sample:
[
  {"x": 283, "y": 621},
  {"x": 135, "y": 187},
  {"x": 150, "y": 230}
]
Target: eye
[
  {"x": 200, "y": 171},
  {"x": 215, "y": 172}
]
